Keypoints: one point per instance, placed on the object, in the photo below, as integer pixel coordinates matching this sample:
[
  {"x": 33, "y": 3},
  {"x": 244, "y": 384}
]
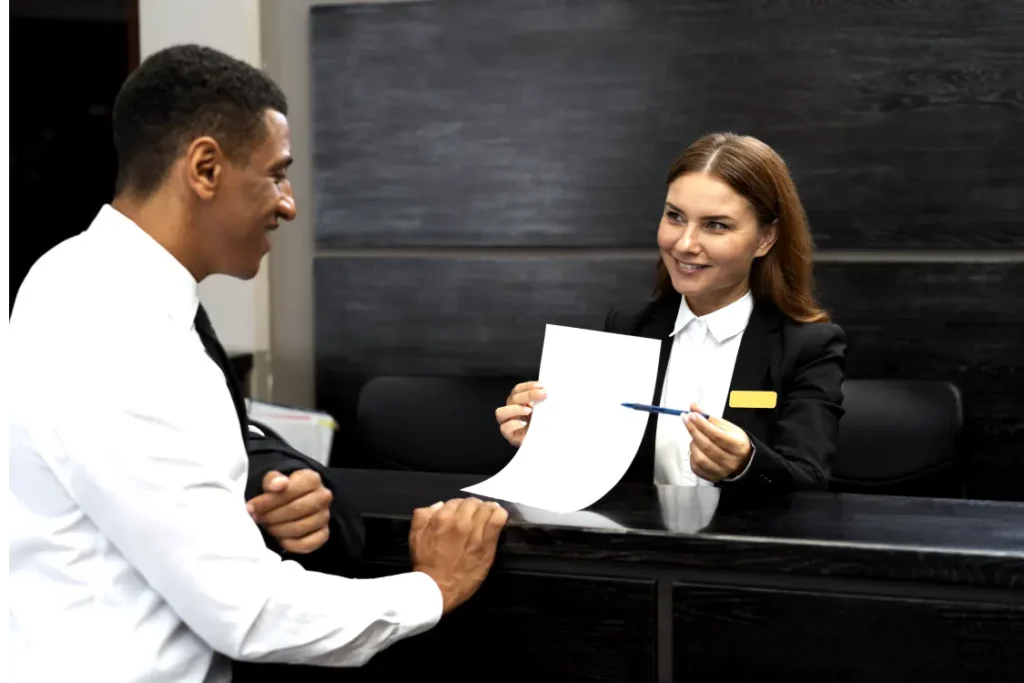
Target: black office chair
[
  {"x": 897, "y": 437},
  {"x": 900, "y": 437},
  {"x": 434, "y": 424}
]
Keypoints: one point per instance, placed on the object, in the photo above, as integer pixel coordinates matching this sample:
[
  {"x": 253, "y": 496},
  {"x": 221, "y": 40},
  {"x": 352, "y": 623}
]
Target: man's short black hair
[{"x": 181, "y": 93}]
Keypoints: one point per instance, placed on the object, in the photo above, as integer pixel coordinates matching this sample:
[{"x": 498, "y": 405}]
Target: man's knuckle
[{"x": 444, "y": 516}]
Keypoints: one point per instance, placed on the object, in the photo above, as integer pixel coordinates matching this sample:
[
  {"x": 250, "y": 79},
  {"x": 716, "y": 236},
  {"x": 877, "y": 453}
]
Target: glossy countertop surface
[{"x": 968, "y": 527}]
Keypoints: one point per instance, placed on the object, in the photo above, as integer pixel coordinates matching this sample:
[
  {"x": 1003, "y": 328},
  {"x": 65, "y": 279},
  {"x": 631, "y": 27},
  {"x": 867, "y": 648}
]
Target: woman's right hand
[{"x": 514, "y": 416}]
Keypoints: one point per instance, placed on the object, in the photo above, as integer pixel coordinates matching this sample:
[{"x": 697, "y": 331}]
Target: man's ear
[
  {"x": 204, "y": 167},
  {"x": 768, "y": 236}
]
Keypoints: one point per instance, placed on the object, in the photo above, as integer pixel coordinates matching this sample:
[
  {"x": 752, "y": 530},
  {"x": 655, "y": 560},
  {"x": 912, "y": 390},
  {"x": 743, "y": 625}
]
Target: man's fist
[
  {"x": 296, "y": 510},
  {"x": 453, "y": 543}
]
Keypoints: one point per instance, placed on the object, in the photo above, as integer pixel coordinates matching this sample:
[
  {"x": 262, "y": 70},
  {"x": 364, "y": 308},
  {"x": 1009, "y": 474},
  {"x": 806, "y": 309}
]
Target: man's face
[{"x": 253, "y": 196}]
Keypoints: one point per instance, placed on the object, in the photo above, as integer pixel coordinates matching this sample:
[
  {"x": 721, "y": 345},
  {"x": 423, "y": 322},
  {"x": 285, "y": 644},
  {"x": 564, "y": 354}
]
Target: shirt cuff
[
  {"x": 753, "y": 452},
  {"x": 425, "y": 612}
]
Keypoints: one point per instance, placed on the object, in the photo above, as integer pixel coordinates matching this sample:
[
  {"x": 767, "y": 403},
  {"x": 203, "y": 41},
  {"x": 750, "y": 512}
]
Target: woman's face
[{"x": 708, "y": 238}]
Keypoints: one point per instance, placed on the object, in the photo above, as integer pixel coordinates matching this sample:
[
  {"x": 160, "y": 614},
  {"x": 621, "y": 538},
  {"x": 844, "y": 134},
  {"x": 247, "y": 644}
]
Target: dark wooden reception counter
[{"x": 687, "y": 584}]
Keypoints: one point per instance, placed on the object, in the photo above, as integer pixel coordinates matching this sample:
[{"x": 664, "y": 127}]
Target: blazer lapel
[
  {"x": 656, "y": 323},
  {"x": 755, "y": 368}
]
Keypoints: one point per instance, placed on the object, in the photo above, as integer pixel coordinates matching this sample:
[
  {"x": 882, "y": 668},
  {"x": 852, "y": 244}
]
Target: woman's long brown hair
[{"x": 753, "y": 169}]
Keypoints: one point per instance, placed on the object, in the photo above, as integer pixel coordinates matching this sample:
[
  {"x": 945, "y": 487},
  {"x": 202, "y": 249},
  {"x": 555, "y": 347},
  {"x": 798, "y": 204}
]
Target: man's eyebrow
[{"x": 282, "y": 164}]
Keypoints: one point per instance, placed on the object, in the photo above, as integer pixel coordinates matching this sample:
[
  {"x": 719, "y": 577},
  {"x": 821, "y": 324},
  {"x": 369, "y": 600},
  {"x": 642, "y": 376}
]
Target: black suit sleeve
[
  {"x": 805, "y": 436},
  {"x": 270, "y": 452}
]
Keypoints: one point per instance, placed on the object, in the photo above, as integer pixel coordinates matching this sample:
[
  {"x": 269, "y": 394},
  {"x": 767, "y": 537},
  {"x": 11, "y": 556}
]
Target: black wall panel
[
  {"x": 547, "y": 122},
  {"x": 548, "y": 126},
  {"x": 461, "y": 316}
]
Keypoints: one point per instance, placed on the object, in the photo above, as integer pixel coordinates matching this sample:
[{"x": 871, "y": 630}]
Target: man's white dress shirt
[
  {"x": 132, "y": 557},
  {"x": 699, "y": 370}
]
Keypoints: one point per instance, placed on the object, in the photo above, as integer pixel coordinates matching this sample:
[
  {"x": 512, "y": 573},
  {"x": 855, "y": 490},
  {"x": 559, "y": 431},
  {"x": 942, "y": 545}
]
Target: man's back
[{"x": 93, "y": 328}]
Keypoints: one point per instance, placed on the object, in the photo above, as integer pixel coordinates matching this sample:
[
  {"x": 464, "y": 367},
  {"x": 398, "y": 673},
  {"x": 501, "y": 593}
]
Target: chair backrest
[
  {"x": 897, "y": 436},
  {"x": 435, "y": 424},
  {"x": 900, "y": 437}
]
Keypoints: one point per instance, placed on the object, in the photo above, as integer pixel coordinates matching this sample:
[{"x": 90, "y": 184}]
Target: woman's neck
[{"x": 707, "y": 304}]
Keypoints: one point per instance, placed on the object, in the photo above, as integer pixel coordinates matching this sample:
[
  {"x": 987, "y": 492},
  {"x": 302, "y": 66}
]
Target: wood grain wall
[{"x": 482, "y": 169}]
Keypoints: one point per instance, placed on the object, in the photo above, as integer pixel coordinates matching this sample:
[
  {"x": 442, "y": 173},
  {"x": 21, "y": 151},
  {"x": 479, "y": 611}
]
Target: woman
[{"x": 743, "y": 338}]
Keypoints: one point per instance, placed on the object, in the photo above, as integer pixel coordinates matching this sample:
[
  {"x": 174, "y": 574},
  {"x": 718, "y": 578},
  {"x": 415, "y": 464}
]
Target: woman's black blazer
[{"x": 796, "y": 441}]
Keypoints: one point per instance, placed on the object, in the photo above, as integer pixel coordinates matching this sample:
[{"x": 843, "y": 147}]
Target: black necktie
[
  {"x": 213, "y": 349},
  {"x": 347, "y": 532}
]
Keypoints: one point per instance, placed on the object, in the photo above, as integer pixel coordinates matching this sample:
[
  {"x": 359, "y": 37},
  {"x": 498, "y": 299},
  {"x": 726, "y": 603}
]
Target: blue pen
[{"x": 659, "y": 409}]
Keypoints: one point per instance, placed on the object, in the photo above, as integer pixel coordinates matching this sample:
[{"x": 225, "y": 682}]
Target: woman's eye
[
  {"x": 715, "y": 226},
  {"x": 673, "y": 216}
]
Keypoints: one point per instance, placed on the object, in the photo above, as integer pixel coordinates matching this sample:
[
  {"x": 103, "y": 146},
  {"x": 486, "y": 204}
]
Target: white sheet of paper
[
  {"x": 584, "y": 519},
  {"x": 581, "y": 439}
]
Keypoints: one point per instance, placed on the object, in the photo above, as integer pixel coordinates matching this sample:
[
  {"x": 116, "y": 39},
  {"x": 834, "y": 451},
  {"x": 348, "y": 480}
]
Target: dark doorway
[{"x": 68, "y": 60}]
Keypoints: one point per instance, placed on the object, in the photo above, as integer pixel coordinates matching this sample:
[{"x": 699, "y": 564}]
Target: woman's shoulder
[
  {"x": 635, "y": 319},
  {"x": 813, "y": 338},
  {"x": 818, "y": 329}
]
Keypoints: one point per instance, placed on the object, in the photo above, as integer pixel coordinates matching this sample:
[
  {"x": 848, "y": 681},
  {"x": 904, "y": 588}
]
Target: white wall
[
  {"x": 240, "y": 310},
  {"x": 285, "y": 32},
  {"x": 285, "y": 46}
]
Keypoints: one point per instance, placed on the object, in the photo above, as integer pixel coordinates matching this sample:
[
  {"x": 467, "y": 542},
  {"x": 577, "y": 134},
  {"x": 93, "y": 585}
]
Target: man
[{"x": 133, "y": 555}]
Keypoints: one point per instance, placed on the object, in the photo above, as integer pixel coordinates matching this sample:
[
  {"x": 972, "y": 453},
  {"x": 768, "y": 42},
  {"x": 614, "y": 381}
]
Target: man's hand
[
  {"x": 296, "y": 510},
  {"x": 719, "y": 448},
  {"x": 453, "y": 543}
]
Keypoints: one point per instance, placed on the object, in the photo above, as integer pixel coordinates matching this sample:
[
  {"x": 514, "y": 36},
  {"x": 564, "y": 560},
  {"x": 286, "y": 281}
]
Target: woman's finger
[
  {"x": 728, "y": 442},
  {"x": 701, "y": 441},
  {"x": 524, "y": 386},
  {"x": 526, "y": 396},
  {"x": 514, "y": 430},
  {"x": 510, "y": 412},
  {"x": 703, "y": 466}
]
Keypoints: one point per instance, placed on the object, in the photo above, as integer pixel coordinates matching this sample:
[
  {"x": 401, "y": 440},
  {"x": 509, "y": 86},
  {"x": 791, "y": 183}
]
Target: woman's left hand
[{"x": 719, "y": 449}]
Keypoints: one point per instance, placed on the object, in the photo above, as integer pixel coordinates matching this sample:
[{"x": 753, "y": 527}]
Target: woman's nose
[{"x": 688, "y": 241}]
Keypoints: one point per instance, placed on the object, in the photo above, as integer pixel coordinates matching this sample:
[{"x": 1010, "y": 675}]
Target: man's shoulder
[
  {"x": 60, "y": 278},
  {"x": 45, "y": 273},
  {"x": 72, "y": 305}
]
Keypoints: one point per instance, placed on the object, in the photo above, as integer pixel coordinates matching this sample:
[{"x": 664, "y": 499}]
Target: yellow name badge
[{"x": 753, "y": 399}]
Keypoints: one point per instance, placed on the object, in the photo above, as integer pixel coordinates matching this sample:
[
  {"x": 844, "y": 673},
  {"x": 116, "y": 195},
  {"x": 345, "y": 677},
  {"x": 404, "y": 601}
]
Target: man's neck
[{"x": 162, "y": 219}]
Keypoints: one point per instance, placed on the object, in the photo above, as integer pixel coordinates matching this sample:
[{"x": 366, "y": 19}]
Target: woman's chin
[{"x": 688, "y": 288}]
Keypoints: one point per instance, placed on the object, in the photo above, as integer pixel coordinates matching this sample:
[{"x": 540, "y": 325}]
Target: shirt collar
[
  {"x": 150, "y": 266},
  {"x": 724, "y": 323}
]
